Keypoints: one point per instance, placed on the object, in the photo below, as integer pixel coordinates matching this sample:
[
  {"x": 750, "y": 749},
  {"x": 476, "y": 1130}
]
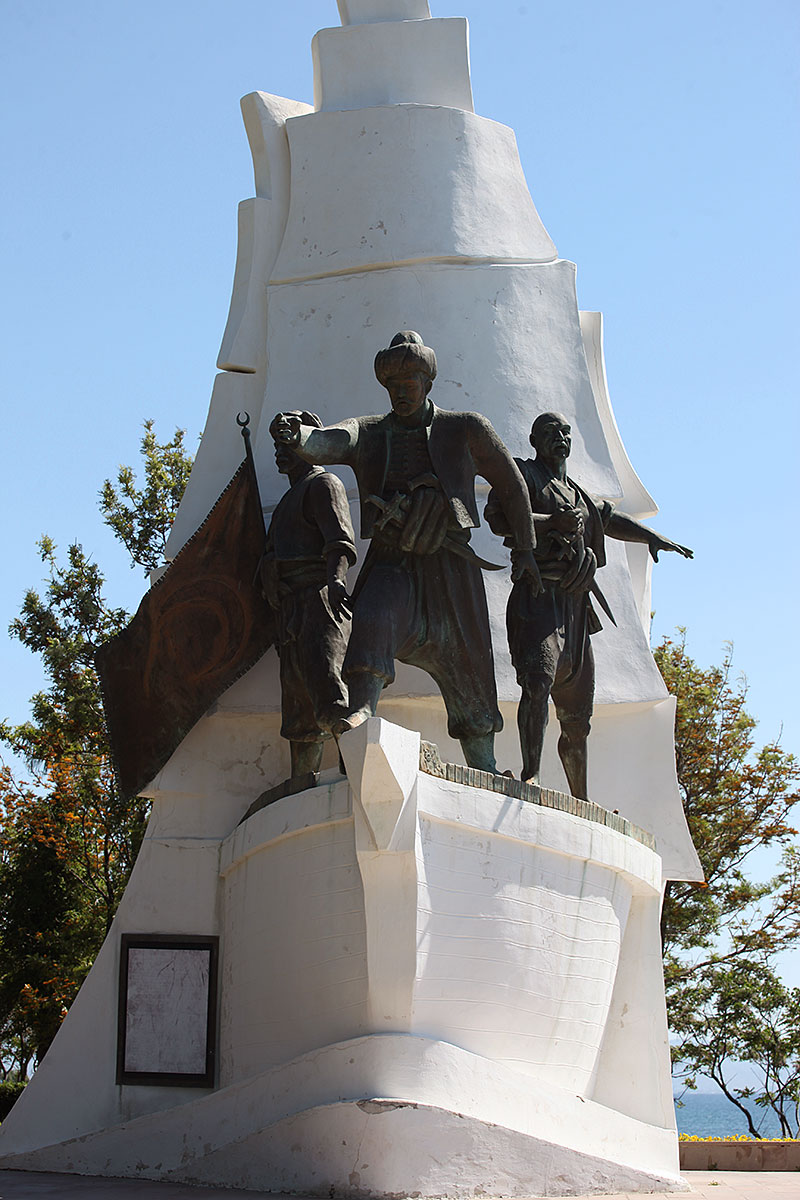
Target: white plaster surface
[
  {"x": 265, "y": 119},
  {"x": 640, "y": 737},
  {"x": 636, "y": 500},
  {"x": 638, "y": 745},
  {"x": 489, "y": 922},
  {"x": 633, "y": 1074},
  {"x": 261, "y": 224},
  {"x": 521, "y": 974},
  {"x": 417, "y": 62},
  {"x": 381, "y": 761},
  {"x": 243, "y": 350},
  {"x": 215, "y": 774},
  {"x": 242, "y": 346},
  {"x": 294, "y": 972},
  {"x": 405, "y": 183},
  {"x": 355, "y": 12},
  {"x": 279, "y": 1129},
  {"x": 640, "y": 569},
  {"x": 507, "y": 339},
  {"x": 518, "y": 919}
]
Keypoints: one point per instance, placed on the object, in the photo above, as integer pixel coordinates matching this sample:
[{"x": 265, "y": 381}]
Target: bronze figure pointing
[{"x": 549, "y": 632}]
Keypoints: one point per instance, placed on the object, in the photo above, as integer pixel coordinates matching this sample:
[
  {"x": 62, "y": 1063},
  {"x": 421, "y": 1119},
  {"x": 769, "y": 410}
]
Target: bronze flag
[{"x": 201, "y": 626}]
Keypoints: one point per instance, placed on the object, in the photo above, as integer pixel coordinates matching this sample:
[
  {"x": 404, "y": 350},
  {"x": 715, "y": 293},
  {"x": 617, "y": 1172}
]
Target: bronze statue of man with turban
[{"x": 419, "y": 596}]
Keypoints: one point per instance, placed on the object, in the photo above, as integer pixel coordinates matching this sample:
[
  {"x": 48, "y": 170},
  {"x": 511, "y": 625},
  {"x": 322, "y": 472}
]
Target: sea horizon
[{"x": 710, "y": 1114}]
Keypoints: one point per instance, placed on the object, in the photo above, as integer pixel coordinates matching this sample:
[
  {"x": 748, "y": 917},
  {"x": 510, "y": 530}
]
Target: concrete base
[
  {"x": 428, "y": 988},
  {"x": 30, "y": 1185},
  {"x": 320, "y": 1126}
]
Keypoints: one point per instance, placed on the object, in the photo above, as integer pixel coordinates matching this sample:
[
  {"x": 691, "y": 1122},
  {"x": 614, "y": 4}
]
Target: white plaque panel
[{"x": 166, "y": 1026}]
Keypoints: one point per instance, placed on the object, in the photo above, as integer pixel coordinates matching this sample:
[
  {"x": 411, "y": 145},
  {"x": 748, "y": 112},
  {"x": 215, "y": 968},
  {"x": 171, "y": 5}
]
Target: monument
[{"x": 413, "y": 975}]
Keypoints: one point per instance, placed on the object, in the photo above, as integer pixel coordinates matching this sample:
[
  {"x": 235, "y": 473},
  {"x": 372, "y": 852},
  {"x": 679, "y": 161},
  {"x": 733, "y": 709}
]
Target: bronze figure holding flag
[{"x": 310, "y": 546}]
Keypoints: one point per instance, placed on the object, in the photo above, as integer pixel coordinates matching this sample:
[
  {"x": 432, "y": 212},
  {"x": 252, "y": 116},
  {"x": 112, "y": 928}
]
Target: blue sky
[{"x": 660, "y": 146}]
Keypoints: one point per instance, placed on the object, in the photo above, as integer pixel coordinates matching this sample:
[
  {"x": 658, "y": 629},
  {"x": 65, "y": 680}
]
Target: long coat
[{"x": 461, "y": 445}]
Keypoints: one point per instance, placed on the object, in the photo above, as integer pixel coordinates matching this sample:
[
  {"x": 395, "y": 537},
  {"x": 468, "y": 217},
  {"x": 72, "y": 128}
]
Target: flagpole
[{"x": 244, "y": 426}]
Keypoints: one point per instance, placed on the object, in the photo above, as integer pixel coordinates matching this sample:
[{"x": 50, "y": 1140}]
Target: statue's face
[
  {"x": 554, "y": 441},
  {"x": 407, "y": 391},
  {"x": 285, "y": 458}
]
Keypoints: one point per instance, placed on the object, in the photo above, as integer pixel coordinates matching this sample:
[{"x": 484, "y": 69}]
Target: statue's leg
[
  {"x": 572, "y": 752},
  {"x": 532, "y": 717},
  {"x": 534, "y": 639},
  {"x": 380, "y": 617},
  {"x": 299, "y": 724},
  {"x": 457, "y": 652},
  {"x": 574, "y": 700},
  {"x": 365, "y": 692},
  {"x": 479, "y": 752},
  {"x": 306, "y": 757}
]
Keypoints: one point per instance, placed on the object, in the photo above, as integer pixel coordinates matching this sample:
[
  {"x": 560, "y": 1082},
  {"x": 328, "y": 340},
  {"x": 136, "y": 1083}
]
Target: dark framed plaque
[{"x": 167, "y": 1025}]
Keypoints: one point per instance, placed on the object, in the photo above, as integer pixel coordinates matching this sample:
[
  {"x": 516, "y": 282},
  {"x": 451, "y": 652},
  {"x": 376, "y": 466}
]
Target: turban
[{"x": 405, "y": 352}]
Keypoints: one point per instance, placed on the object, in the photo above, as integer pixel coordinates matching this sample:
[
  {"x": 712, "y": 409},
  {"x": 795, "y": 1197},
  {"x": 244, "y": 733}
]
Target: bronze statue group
[{"x": 419, "y": 596}]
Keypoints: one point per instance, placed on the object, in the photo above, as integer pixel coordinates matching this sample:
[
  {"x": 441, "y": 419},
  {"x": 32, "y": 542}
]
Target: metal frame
[{"x": 151, "y": 941}]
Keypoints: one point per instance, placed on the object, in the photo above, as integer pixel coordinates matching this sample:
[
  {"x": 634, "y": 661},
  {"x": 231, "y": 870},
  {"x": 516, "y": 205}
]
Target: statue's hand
[
  {"x": 339, "y": 600},
  {"x": 581, "y": 574},
  {"x": 524, "y": 566},
  {"x": 567, "y": 520},
  {"x": 285, "y": 428},
  {"x": 658, "y": 543}
]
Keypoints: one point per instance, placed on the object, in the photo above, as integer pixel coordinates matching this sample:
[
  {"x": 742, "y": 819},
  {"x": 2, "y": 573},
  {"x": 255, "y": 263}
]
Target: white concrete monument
[{"x": 430, "y": 981}]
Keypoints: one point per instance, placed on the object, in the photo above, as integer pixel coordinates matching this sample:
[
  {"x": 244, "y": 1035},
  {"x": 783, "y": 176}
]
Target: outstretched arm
[
  {"x": 628, "y": 529},
  {"x": 331, "y": 444}
]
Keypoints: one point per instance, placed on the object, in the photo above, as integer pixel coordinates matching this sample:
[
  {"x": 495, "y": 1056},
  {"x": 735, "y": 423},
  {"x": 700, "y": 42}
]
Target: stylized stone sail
[{"x": 392, "y": 205}]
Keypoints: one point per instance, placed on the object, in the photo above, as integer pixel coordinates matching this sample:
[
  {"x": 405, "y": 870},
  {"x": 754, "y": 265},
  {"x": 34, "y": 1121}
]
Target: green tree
[
  {"x": 723, "y": 940},
  {"x": 743, "y": 1013},
  {"x": 141, "y": 517},
  {"x": 68, "y": 841}
]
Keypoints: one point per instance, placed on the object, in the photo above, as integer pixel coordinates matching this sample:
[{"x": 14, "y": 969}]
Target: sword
[
  {"x": 568, "y": 551},
  {"x": 601, "y": 600},
  {"x": 393, "y": 511}
]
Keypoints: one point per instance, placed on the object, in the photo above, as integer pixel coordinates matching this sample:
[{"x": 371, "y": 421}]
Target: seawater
[{"x": 714, "y": 1116}]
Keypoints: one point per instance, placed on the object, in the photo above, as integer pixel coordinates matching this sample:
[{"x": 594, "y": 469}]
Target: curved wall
[{"x": 518, "y": 916}]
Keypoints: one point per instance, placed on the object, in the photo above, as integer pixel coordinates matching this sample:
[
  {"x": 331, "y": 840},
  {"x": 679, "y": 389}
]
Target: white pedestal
[{"x": 427, "y": 987}]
